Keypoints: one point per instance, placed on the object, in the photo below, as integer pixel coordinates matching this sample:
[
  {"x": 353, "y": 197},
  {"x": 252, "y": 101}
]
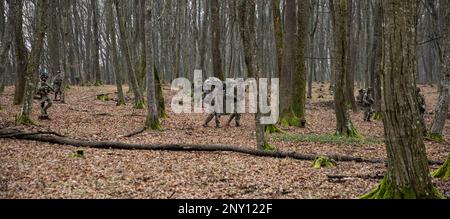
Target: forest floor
[{"x": 39, "y": 170}]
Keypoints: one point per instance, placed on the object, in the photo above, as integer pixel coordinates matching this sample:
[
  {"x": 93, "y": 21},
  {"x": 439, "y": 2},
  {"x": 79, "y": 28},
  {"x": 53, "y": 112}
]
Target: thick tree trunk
[
  {"x": 215, "y": 35},
  {"x": 159, "y": 94},
  {"x": 287, "y": 116},
  {"x": 66, "y": 38},
  {"x": 21, "y": 52},
  {"x": 152, "y": 120},
  {"x": 54, "y": 42},
  {"x": 299, "y": 88},
  {"x": 34, "y": 62},
  {"x": 6, "y": 38},
  {"x": 278, "y": 35},
  {"x": 247, "y": 30},
  {"x": 377, "y": 52},
  {"x": 408, "y": 174},
  {"x": 344, "y": 125},
  {"x": 441, "y": 112}
]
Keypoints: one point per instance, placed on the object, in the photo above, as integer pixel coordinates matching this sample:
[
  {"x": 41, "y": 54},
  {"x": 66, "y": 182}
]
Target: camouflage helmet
[{"x": 211, "y": 83}]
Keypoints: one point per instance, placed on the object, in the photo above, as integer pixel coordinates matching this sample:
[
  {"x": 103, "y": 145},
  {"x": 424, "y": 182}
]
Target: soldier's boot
[
  {"x": 42, "y": 103},
  {"x": 231, "y": 119},
  {"x": 217, "y": 116},
  {"x": 238, "y": 120},
  {"x": 49, "y": 104},
  {"x": 366, "y": 116},
  {"x": 208, "y": 119}
]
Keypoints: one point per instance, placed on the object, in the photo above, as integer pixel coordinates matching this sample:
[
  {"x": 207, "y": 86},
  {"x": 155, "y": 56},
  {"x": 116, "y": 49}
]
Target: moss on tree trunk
[
  {"x": 444, "y": 171},
  {"x": 387, "y": 190},
  {"x": 408, "y": 175},
  {"x": 270, "y": 129}
]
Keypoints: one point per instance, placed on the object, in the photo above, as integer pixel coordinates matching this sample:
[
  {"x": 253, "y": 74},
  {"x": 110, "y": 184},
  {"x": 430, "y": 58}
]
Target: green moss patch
[
  {"x": 270, "y": 129},
  {"x": 269, "y": 147},
  {"x": 327, "y": 139},
  {"x": 436, "y": 137},
  {"x": 322, "y": 161},
  {"x": 386, "y": 190},
  {"x": 78, "y": 154},
  {"x": 444, "y": 171},
  {"x": 24, "y": 120},
  {"x": 103, "y": 97}
]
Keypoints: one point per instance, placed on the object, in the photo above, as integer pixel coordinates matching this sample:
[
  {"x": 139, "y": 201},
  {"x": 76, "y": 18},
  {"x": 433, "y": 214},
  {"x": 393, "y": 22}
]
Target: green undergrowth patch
[
  {"x": 78, "y": 154},
  {"x": 322, "y": 161},
  {"x": 326, "y": 139}
]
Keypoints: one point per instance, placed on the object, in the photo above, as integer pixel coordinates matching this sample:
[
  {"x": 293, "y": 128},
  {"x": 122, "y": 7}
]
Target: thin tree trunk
[
  {"x": 96, "y": 48},
  {"x": 138, "y": 99},
  {"x": 33, "y": 63},
  {"x": 115, "y": 56}
]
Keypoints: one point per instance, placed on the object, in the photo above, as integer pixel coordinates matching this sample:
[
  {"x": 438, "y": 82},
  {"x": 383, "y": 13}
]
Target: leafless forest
[{"x": 86, "y": 96}]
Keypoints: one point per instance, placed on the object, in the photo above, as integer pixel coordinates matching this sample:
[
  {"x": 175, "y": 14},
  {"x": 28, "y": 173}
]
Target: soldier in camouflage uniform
[
  {"x": 367, "y": 103},
  {"x": 57, "y": 84},
  {"x": 360, "y": 97},
  {"x": 235, "y": 115},
  {"x": 421, "y": 100},
  {"x": 213, "y": 114},
  {"x": 422, "y": 109},
  {"x": 43, "y": 91}
]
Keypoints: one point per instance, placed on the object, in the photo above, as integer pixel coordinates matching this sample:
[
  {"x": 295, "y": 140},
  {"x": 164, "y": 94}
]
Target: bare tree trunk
[
  {"x": 407, "y": 170},
  {"x": 138, "y": 99},
  {"x": 441, "y": 112},
  {"x": 96, "y": 47},
  {"x": 152, "y": 120},
  {"x": 215, "y": 34},
  {"x": 21, "y": 52},
  {"x": 344, "y": 125},
  {"x": 247, "y": 30},
  {"x": 352, "y": 44},
  {"x": 33, "y": 63},
  {"x": 287, "y": 116},
  {"x": 6, "y": 38},
  {"x": 377, "y": 52},
  {"x": 54, "y": 42},
  {"x": 115, "y": 57},
  {"x": 203, "y": 51},
  {"x": 278, "y": 35},
  {"x": 299, "y": 89}
]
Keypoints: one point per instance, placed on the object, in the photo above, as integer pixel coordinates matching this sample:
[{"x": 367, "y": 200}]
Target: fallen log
[{"x": 53, "y": 139}]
